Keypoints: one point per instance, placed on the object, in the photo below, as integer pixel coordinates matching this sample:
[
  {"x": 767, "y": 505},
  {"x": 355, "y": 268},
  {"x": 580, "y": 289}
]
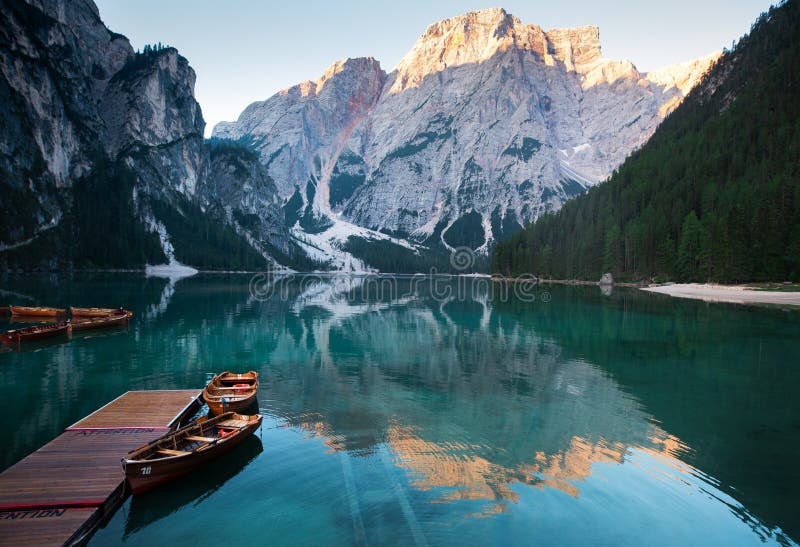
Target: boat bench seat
[
  {"x": 169, "y": 452},
  {"x": 200, "y": 439},
  {"x": 235, "y": 424}
]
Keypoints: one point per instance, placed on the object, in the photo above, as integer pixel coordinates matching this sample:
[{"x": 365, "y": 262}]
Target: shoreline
[
  {"x": 564, "y": 282},
  {"x": 746, "y": 294},
  {"x": 707, "y": 292},
  {"x": 732, "y": 294}
]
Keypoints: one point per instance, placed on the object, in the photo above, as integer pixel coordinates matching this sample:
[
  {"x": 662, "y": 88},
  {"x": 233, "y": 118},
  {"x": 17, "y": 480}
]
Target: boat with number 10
[{"x": 186, "y": 449}]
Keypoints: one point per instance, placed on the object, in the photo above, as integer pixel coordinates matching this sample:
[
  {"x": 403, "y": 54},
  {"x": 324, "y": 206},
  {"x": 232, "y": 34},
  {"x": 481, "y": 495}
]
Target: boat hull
[
  {"x": 36, "y": 333},
  {"x": 221, "y": 396},
  {"x": 229, "y": 404},
  {"x": 143, "y": 475},
  {"x": 96, "y": 312},
  {"x": 98, "y": 322},
  {"x": 40, "y": 312}
]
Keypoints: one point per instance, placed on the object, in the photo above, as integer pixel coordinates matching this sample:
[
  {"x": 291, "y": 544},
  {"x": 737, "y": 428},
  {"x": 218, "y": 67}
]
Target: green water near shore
[{"x": 398, "y": 411}]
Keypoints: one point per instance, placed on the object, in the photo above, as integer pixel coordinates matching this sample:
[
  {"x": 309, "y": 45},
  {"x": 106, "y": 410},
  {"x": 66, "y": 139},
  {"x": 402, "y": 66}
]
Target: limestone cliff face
[
  {"x": 78, "y": 104},
  {"x": 486, "y": 124},
  {"x": 242, "y": 194},
  {"x": 154, "y": 124},
  {"x": 56, "y": 59},
  {"x": 300, "y": 131}
]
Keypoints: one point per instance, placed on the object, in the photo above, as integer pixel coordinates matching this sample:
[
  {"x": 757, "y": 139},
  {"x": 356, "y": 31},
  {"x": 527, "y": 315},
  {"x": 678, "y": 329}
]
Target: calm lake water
[{"x": 407, "y": 412}]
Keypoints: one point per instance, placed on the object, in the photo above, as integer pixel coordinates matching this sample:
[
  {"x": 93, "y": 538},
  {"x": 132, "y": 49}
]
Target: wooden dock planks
[
  {"x": 44, "y": 526},
  {"x": 60, "y": 492},
  {"x": 157, "y": 409},
  {"x": 76, "y": 468}
]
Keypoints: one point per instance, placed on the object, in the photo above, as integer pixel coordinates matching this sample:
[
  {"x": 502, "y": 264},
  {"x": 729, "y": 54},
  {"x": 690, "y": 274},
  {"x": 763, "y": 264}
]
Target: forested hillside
[
  {"x": 715, "y": 193},
  {"x": 102, "y": 157},
  {"x": 100, "y": 229}
]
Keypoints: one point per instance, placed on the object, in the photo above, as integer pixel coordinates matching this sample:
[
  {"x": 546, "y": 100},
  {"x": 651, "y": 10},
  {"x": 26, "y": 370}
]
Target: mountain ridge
[
  {"x": 102, "y": 155},
  {"x": 712, "y": 196},
  {"x": 487, "y": 122},
  {"x": 485, "y": 125}
]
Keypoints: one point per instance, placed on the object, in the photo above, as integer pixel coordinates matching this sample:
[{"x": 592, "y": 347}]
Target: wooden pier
[{"x": 60, "y": 493}]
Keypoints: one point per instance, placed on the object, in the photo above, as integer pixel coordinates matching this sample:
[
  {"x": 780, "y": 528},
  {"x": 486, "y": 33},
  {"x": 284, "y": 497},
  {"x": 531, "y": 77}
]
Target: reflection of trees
[
  {"x": 716, "y": 376},
  {"x": 53, "y": 386},
  {"x": 469, "y": 396}
]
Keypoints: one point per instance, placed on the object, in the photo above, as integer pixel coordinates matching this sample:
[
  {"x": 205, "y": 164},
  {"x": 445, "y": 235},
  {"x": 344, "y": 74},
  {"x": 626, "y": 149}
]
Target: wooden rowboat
[
  {"x": 96, "y": 312},
  {"x": 38, "y": 332},
  {"x": 87, "y": 323},
  {"x": 40, "y": 312},
  {"x": 231, "y": 392},
  {"x": 228, "y": 379},
  {"x": 28, "y": 319},
  {"x": 186, "y": 449},
  {"x": 4, "y": 311}
]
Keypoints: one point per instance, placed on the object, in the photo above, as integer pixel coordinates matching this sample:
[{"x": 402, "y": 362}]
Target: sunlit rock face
[
  {"x": 300, "y": 131},
  {"x": 487, "y": 120}
]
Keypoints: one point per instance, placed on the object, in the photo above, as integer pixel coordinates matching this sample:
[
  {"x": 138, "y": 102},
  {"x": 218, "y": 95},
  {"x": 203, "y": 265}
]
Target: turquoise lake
[{"x": 414, "y": 411}]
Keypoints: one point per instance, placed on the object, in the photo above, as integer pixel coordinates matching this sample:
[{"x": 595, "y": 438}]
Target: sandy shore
[{"x": 737, "y": 294}]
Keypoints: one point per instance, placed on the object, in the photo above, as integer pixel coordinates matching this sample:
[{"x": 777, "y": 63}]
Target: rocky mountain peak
[
  {"x": 486, "y": 124},
  {"x": 683, "y": 76},
  {"x": 359, "y": 65},
  {"x": 477, "y": 36},
  {"x": 470, "y": 38},
  {"x": 360, "y": 68},
  {"x": 578, "y": 48},
  {"x": 472, "y": 23},
  {"x": 150, "y": 102}
]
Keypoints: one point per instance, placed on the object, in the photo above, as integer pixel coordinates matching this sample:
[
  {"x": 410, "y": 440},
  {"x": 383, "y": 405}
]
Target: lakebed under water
[{"x": 403, "y": 411}]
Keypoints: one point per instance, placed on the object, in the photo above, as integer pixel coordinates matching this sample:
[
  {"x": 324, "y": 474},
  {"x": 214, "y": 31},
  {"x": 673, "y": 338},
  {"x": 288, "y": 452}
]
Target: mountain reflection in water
[
  {"x": 468, "y": 409},
  {"x": 398, "y": 412}
]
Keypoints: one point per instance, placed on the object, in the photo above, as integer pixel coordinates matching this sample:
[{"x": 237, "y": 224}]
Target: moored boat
[
  {"x": 28, "y": 319},
  {"x": 186, "y": 449},
  {"x": 38, "y": 332},
  {"x": 231, "y": 392},
  {"x": 4, "y": 310},
  {"x": 96, "y": 312},
  {"x": 99, "y": 322},
  {"x": 37, "y": 311}
]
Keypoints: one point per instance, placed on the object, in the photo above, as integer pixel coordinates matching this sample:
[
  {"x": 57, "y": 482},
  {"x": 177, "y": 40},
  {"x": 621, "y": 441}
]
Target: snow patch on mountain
[{"x": 173, "y": 268}]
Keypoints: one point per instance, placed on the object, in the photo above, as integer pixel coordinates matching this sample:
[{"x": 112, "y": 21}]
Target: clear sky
[{"x": 246, "y": 50}]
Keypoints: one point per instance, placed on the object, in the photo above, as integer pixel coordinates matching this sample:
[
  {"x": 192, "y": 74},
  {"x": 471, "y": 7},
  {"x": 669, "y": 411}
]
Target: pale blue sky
[{"x": 244, "y": 51}]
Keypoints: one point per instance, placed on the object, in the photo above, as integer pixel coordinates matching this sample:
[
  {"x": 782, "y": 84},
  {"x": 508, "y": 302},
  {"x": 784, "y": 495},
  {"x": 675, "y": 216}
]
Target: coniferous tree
[{"x": 714, "y": 194}]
